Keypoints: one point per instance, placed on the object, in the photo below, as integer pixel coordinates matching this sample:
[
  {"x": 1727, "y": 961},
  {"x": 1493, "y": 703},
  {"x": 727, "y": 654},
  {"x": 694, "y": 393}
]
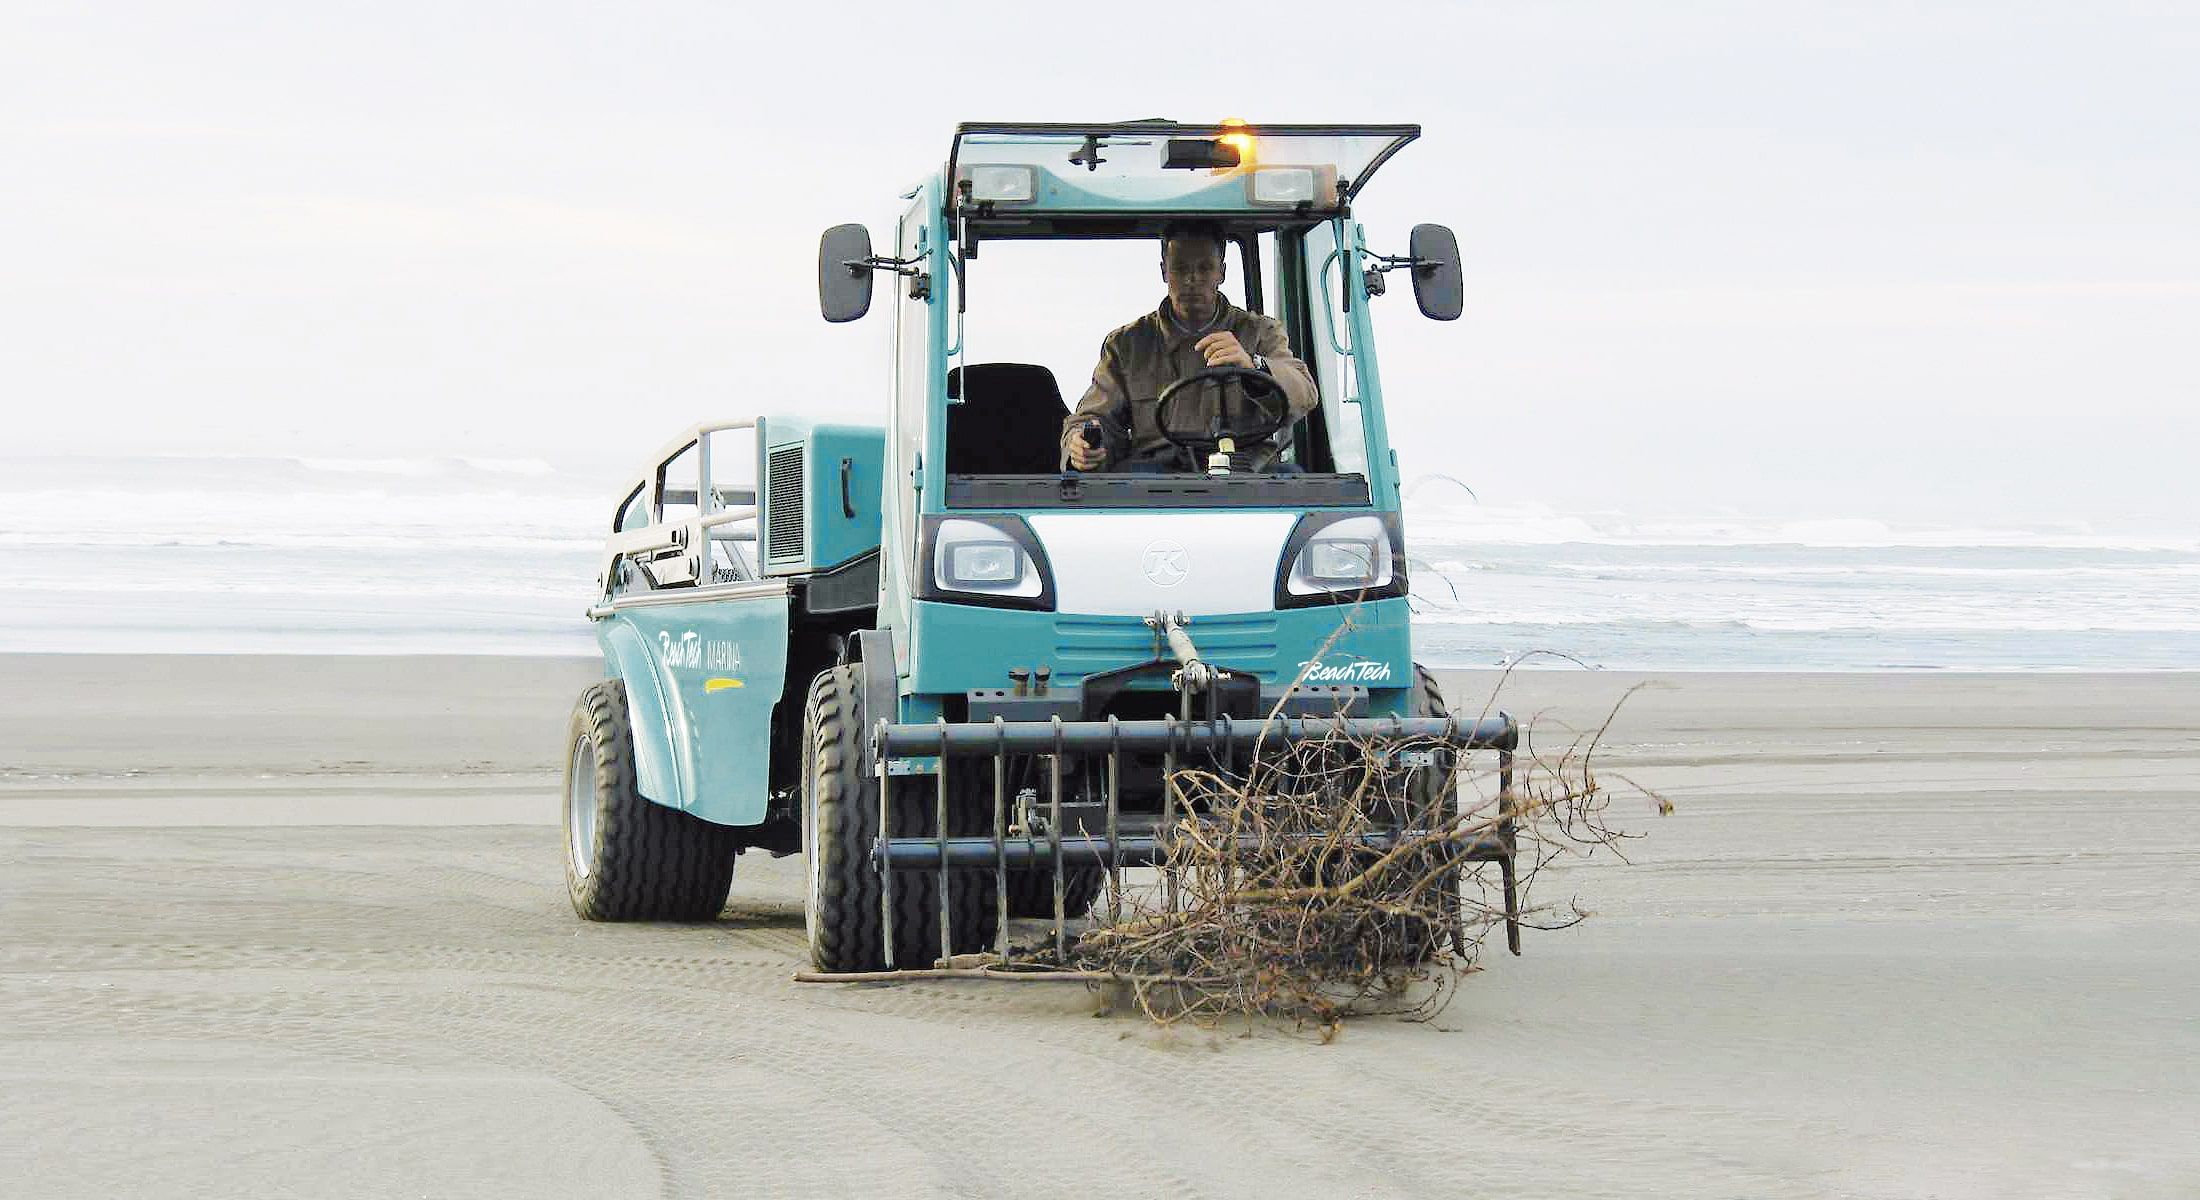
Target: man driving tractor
[{"x": 1118, "y": 423}]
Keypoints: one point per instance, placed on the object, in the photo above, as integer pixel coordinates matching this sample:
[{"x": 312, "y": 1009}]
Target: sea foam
[{"x": 498, "y": 555}]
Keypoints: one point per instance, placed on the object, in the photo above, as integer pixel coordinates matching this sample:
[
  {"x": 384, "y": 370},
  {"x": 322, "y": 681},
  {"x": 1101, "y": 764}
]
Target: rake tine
[
  {"x": 1000, "y": 838},
  {"x": 1512, "y": 905},
  {"x": 1229, "y": 758},
  {"x": 1054, "y": 846},
  {"x": 947, "y": 942},
  {"x": 1505, "y": 865},
  {"x": 1115, "y": 799},
  {"x": 1451, "y": 802},
  {"x": 886, "y": 852},
  {"x": 1168, "y": 806}
]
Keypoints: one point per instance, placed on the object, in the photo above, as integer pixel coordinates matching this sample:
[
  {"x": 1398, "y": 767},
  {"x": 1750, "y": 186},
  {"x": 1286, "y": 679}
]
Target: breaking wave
[{"x": 459, "y": 553}]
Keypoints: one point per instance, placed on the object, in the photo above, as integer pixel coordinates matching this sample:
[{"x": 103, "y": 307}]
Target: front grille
[
  {"x": 1086, "y": 644},
  {"x": 784, "y": 512}
]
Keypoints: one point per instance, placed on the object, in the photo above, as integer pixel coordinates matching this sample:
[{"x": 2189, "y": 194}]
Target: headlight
[
  {"x": 995, "y": 558},
  {"x": 1002, "y": 184},
  {"x": 982, "y": 565},
  {"x": 1341, "y": 559},
  {"x": 1335, "y": 562},
  {"x": 1289, "y": 187},
  {"x": 1284, "y": 186}
]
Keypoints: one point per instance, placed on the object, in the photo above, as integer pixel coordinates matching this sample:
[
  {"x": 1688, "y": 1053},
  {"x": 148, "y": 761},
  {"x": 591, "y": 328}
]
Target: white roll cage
[{"x": 673, "y": 553}]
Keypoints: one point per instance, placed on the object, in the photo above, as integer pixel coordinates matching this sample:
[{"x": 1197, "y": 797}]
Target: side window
[
  {"x": 1325, "y": 333},
  {"x": 677, "y": 484},
  {"x": 634, "y": 513},
  {"x": 912, "y": 373},
  {"x": 913, "y": 345}
]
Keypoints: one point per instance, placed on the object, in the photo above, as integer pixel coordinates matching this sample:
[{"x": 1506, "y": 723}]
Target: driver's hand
[
  {"x": 1222, "y": 350},
  {"x": 1083, "y": 457}
]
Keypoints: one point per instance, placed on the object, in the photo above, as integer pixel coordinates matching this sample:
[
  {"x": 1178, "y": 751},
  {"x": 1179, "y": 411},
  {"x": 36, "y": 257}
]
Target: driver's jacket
[{"x": 1154, "y": 351}]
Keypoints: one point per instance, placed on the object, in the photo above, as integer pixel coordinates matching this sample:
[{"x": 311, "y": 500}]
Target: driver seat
[{"x": 1009, "y": 421}]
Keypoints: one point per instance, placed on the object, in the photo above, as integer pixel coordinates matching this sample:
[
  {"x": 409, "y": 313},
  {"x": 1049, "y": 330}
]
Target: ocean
[{"x": 485, "y": 556}]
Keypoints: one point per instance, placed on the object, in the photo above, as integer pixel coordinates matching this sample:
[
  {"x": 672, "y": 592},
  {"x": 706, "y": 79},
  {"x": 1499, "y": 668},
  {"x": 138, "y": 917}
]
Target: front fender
[
  {"x": 704, "y": 671},
  {"x": 657, "y": 773}
]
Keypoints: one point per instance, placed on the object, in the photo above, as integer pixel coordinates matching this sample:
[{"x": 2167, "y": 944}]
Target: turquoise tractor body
[{"x": 794, "y": 544}]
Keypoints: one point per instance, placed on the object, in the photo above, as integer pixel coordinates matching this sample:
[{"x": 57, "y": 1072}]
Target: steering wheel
[{"x": 1259, "y": 386}]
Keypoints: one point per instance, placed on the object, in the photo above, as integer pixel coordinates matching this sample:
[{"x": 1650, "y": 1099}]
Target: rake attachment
[{"x": 1090, "y": 826}]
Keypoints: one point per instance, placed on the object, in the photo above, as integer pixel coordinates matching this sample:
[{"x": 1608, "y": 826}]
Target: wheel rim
[{"x": 580, "y": 808}]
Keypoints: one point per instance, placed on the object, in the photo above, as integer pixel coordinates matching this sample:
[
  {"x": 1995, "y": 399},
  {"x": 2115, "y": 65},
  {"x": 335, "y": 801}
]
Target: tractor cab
[
  {"x": 1008, "y": 270},
  {"x": 1048, "y": 236}
]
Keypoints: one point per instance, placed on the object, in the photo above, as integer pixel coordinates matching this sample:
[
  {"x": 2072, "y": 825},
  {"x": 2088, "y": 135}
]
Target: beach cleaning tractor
[{"x": 952, "y": 670}]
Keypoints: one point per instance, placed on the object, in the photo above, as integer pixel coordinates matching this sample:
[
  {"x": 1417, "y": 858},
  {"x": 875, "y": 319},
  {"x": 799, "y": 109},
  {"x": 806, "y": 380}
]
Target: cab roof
[{"x": 1132, "y": 168}]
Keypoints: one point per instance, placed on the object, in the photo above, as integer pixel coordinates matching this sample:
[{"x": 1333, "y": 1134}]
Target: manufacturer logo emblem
[{"x": 1166, "y": 563}]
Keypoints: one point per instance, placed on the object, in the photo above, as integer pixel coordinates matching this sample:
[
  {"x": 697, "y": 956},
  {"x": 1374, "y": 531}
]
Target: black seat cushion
[{"x": 1009, "y": 421}]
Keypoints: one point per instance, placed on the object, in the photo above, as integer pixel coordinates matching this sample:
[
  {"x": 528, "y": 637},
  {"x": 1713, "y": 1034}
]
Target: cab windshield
[
  {"x": 1029, "y": 316},
  {"x": 1054, "y": 239}
]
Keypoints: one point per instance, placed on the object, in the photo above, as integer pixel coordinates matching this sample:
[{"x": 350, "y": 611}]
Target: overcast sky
[{"x": 1932, "y": 263}]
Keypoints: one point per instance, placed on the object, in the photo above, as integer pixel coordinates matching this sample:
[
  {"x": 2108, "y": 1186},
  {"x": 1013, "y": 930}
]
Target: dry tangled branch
[{"x": 1281, "y": 897}]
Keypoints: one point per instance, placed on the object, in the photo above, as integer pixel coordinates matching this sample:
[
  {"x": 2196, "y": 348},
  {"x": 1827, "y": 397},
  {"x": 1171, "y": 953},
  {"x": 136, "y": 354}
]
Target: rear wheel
[
  {"x": 626, "y": 857},
  {"x": 840, "y": 811}
]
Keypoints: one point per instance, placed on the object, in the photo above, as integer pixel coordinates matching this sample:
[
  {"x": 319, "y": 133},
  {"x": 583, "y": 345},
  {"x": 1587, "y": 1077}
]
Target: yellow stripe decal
[{"x": 719, "y": 685}]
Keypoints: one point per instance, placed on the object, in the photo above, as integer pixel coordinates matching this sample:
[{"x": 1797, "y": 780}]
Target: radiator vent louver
[{"x": 784, "y": 512}]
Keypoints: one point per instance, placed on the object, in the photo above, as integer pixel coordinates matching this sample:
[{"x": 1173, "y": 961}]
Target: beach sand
[{"x": 296, "y": 927}]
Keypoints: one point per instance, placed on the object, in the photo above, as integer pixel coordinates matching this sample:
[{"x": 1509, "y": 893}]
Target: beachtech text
[{"x": 1356, "y": 672}]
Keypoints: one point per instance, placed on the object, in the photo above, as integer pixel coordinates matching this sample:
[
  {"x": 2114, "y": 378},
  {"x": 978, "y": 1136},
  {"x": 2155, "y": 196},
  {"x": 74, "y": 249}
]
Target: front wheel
[
  {"x": 1031, "y": 891},
  {"x": 628, "y": 858},
  {"x": 840, "y": 811}
]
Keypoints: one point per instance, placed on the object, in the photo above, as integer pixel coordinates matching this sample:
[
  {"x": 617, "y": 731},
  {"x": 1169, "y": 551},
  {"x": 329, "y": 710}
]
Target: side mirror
[
  {"x": 1438, "y": 284},
  {"x": 844, "y": 273}
]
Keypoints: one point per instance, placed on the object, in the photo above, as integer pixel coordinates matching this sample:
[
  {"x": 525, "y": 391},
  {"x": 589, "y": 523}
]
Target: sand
[{"x": 296, "y": 926}]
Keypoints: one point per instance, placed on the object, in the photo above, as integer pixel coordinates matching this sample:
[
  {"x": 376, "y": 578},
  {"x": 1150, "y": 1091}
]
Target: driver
[{"x": 1195, "y": 328}]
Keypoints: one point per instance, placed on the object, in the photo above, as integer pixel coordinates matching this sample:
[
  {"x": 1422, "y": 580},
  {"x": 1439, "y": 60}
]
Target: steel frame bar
[
  {"x": 1131, "y": 850},
  {"x": 1223, "y": 733}
]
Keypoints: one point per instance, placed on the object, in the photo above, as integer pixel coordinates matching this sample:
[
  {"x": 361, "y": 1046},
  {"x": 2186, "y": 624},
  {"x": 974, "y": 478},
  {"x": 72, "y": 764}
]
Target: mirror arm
[
  {"x": 899, "y": 266},
  {"x": 1378, "y": 264},
  {"x": 1392, "y": 262}
]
